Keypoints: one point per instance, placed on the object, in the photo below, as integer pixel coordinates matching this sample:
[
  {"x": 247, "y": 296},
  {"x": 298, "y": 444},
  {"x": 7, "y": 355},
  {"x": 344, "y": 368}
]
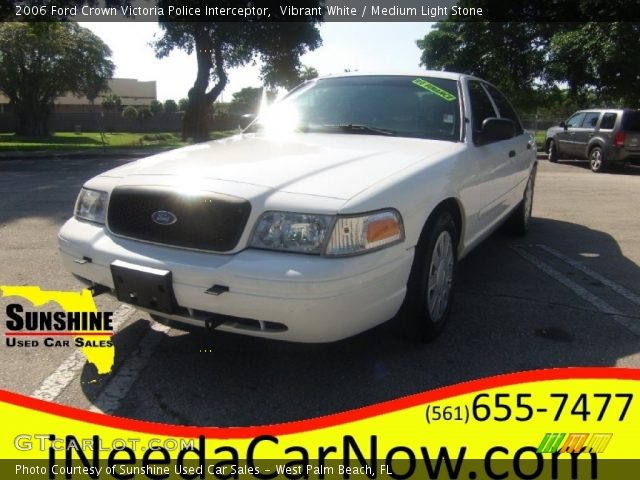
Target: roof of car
[
  {"x": 403, "y": 73},
  {"x": 599, "y": 110}
]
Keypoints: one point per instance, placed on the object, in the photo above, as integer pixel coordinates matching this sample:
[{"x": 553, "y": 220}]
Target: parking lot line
[
  {"x": 121, "y": 381},
  {"x": 627, "y": 322},
  {"x": 54, "y": 384},
  {"x": 616, "y": 287}
]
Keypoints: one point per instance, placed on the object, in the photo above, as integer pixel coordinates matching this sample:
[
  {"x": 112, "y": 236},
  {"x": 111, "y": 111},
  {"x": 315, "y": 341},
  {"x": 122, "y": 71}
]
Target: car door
[
  {"x": 486, "y": 168},
  {"x": 520, "y": 147},
  {"x": 566, "y": 138},
  {"x": 583, "y": 133}
]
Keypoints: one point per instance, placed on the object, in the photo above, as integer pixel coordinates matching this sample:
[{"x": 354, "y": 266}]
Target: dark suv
[{"x": 603, "y": 136}]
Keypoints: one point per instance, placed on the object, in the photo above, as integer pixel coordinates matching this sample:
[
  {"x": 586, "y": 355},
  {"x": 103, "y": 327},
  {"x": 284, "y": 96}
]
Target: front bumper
[{"x": 286, "y": 296}]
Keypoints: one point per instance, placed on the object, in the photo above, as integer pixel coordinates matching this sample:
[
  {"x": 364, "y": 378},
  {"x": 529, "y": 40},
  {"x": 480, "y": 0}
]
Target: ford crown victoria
[{"x": 349, "y": 201}]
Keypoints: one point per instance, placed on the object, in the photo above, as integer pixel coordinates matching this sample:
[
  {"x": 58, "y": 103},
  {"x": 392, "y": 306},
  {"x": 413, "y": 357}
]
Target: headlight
[
  {"x": 294, "y": 232},
  {"x": 306, "y": 233},
  {"x": 362, "y": 233},
  {"x": 91, "y": 205}
]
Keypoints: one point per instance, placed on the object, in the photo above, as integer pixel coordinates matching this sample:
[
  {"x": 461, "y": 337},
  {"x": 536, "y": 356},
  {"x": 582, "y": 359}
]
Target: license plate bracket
[{"x": 145, "y": 287}]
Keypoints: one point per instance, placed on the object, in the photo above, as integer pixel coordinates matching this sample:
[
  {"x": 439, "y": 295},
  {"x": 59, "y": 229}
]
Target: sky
[{"x": 357, "y": 46}]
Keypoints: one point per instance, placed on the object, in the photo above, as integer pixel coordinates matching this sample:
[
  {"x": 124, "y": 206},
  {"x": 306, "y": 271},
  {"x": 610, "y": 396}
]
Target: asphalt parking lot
[{"x": 567, "y": 294}]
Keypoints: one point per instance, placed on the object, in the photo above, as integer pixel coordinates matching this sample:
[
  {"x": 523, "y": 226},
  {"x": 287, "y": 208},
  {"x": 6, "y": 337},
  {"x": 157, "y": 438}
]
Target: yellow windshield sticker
[{"x": 422, "y": 83}]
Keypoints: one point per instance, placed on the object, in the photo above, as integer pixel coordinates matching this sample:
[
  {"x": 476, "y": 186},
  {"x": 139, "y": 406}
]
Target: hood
[{"x": 328, "y": 165}]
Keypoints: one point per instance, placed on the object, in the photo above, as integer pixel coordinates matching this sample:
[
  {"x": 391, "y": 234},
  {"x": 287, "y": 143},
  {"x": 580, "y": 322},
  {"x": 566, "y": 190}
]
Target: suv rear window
[
  {"x": 608, "y": 121},
  {"x": 590, "y": 119},
  {"x": 631, "y": 121}
]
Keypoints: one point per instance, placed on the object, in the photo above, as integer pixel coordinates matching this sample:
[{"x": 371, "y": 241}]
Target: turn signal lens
[
  {"x": 382, "y": 229},
  {"x": 353, "y": 235}
]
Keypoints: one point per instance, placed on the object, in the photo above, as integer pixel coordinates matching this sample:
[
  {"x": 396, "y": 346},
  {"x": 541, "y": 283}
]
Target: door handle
[
  {"x": 512, "y": 153},
  {"x": 529, "y": 145}
]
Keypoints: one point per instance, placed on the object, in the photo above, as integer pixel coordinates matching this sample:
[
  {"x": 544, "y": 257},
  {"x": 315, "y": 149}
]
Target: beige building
[{"x": 130, "y": 91}]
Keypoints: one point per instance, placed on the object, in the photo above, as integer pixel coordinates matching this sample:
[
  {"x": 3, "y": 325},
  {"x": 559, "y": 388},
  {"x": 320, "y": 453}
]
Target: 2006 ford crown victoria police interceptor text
[{"x": 353, "y": 197}]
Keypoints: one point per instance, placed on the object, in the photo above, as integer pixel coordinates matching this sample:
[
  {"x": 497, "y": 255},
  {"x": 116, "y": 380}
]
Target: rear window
[
  {"x": 608, "y": 121},
  {"x": 631, "y": 121},
  {"x": 590, "y": 120}
]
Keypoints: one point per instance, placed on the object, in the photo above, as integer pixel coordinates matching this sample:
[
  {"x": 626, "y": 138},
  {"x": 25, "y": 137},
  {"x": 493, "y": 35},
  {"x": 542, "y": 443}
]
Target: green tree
[
  {"x": 307, "y": 73},
  {"x": 144, "y": 112},
  {"x": 111, "y": 101},
  {"x": 219, "y": 46},
  {"x": 528, "y": 60},
  {"x": 510, "y": 55},
  {"x": 595, "y": 60},
  {"x": 170, "y": 106},
  {"x": 42, "y": 61},
  {"x": 156, "y": 107},
  {"x": 183, "y": 103},
  {"x": 248, "y": 100},
  {"x": 130, "y": 112}
]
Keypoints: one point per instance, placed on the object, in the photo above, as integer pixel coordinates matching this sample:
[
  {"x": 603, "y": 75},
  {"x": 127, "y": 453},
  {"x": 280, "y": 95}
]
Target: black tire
[
  {"x": 428, "y": 303},
  {"x": 518, "y": 222},
  {"x": 553, "y": 152},
  {"x": 596, "y": 160}
]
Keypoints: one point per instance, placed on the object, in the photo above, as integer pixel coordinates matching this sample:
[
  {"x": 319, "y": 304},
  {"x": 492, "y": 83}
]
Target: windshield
[{"x": 419, "y": 107}]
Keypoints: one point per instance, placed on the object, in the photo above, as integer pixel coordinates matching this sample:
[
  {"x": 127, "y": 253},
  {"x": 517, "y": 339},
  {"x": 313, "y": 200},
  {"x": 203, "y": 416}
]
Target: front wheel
[
  {"x": 596, "y": 160},
  {"x": 430, "y": 287}
]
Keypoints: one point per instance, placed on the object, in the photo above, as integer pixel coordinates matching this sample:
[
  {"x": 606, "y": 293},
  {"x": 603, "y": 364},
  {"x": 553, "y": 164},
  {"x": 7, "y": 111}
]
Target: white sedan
[{"x": 351, "y": 199}]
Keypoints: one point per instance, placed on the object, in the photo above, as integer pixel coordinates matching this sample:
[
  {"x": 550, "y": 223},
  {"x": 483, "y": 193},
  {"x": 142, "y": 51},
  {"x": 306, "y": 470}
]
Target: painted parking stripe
[
  {"x": 54, "y": 384},
  {"x": 628, "y": 322},
  {"x": 109, "y": 399},
  {"x": 616, "y": 287}
]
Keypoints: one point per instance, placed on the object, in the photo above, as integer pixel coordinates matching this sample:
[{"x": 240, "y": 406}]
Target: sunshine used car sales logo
[{"x": 78, "y": 323}]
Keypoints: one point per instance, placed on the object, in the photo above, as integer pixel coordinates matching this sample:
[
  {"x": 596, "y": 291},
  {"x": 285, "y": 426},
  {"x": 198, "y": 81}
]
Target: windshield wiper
[{"x": 359, "y": 128}]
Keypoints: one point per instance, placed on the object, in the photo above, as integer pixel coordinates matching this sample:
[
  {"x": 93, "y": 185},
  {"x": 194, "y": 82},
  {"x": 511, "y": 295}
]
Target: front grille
[{"x": 206, "y": 221}]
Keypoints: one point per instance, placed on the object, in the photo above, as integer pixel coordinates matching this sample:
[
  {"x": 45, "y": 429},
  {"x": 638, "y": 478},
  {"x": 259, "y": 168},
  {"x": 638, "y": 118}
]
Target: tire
[
  {"x": 518, "y": 223},
  {"x": 432, "y": 279},
  {"x": 596, "y": 160},
  {"x": 553, "y": 152}
]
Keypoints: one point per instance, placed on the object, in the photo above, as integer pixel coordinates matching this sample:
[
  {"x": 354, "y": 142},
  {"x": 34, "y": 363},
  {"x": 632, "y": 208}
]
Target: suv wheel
[
  {"x": 430, "y": 287},
  {"x": 596, "y": 159},
  {"x": 553, "y": 152}
]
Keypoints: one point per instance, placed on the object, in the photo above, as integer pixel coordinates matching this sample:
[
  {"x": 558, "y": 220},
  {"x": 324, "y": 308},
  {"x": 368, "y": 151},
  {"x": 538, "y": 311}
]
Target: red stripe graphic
[{"x": 595, "y": 373}]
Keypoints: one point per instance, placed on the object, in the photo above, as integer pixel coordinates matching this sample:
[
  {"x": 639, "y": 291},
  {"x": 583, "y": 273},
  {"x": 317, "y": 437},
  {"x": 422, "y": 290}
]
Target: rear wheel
[
  {"x": 430, "y": 287},
  {"x": 596, "y": 160},
  {"x": 553, "y": 152}
]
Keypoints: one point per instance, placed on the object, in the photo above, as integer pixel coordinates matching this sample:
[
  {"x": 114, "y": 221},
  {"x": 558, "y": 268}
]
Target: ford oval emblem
[{"x": 162, "y": 217}]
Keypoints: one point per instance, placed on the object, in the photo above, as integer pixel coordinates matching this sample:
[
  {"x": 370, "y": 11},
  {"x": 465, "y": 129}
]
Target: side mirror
[
  {"x": 563, "y": 125},
  {"x": 496, "y": 129}
]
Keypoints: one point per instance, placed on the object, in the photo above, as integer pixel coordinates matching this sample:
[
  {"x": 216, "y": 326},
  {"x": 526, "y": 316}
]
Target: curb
[{"x": 117, "y": 153}]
